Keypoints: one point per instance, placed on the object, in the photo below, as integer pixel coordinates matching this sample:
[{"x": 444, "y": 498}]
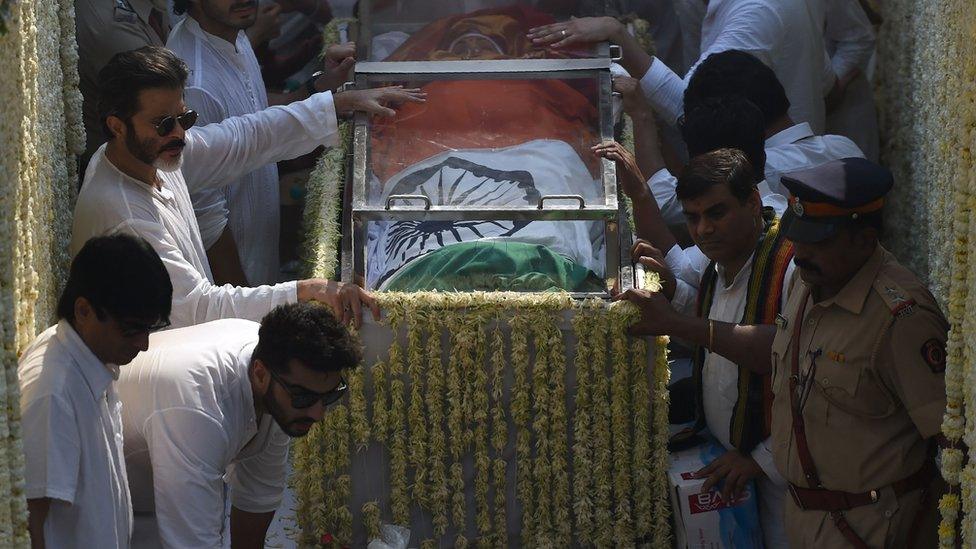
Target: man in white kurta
[
  {"x": 789, "y": 146},
  {"x": 75, "y": 479},
  {"x": 189, "y": 419},
  {"x": 225, "y": 80},
  {"x": 72, "y": 425},
  {"x": 785, "y": 34},
  {"x": 214, "y": 155},
  {"x": 850, "y": 39}
]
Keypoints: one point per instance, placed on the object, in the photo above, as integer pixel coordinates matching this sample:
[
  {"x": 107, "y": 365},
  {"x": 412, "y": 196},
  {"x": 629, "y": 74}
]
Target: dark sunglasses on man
[
  {"x": 186, "y": 121},
  {"x": 303, "y": 398}
]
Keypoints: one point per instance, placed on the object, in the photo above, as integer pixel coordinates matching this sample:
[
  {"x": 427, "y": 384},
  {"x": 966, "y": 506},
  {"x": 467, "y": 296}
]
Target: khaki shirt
[
  {"x": 878, "y": 384},
  {"x": 105, "y": 28}
]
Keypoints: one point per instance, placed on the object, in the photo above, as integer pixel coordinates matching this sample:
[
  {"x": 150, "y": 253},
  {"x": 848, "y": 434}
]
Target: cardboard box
[{"x": 707, "y": 521}]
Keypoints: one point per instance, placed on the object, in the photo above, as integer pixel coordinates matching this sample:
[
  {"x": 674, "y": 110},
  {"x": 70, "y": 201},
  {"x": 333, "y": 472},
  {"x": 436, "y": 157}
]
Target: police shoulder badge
[
  {"x": 797, "y": 208},
  {"x": 934, "y": 354}
]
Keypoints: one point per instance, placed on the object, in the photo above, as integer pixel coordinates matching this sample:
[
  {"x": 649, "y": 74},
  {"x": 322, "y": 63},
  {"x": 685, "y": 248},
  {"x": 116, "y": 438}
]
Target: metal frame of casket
[{"x": 369, "y": 467}]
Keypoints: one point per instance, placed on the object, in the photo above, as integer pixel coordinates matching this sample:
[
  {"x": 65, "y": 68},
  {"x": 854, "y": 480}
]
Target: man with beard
[
  {"x": 239, "y": 223},
  {"x": 219, "y": 402},
  {"x": 105, "y": 28},
  {"x": 859, "y": 369},
  {"x": 136, "y": 180},
  {"x": 75, "y": 482}
]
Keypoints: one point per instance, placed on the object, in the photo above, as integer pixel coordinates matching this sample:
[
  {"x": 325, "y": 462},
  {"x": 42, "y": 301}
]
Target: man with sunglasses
[
  {"x": 139, "y": 180},
  {"x": 77, "y": 495},
  {"x": 217, "y": 403}
]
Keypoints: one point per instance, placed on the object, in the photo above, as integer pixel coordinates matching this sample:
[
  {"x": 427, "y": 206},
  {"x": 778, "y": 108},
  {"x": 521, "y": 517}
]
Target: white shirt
[
  {"x": 225, "y": 80},
  {"x": 784, "y": 34},
  {"x": 72, "y": 425},
  {"x": 111, "y": 201},
  {"x": 849, "y": 38},
  {"x": 797, "y": 148},
  {"x": 190, "y": 425},
  {"x": 720, "y": 376}
]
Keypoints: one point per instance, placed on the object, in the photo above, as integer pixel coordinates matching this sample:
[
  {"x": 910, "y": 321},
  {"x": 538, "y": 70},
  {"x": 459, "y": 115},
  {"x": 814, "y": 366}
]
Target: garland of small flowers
[
  {"x": 521, "y": 414},
  {"x": 499, "y": 436},
  {"x": 929, "y": 132},
  {"x": 38, "y": 179},
  {"x": 399, "y": 499},
  {"x": 583, "y": 426}
]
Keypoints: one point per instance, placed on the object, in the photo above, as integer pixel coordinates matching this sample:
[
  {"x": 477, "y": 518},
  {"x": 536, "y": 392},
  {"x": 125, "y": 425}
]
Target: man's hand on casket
[
  {"x": 584, "y": 30},
  {"x": 657, "y": 313},
  {"x": 635, "y": 104},
  {"x": 629, "y": 175},
  {"x": 376, "y": 101},
  {"x": 346, "y": 300},
  {"x": 339, "y": 60},
  {"x": 652, "y": 259}
]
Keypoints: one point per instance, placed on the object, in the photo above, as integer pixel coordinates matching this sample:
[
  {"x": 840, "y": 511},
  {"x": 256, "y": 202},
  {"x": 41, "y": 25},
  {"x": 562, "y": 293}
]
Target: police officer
[{"x": 859, "y": 361}]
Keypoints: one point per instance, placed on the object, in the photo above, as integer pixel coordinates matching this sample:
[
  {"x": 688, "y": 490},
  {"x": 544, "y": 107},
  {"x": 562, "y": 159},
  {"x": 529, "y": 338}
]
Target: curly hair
[{"x": 308, "y": 333}]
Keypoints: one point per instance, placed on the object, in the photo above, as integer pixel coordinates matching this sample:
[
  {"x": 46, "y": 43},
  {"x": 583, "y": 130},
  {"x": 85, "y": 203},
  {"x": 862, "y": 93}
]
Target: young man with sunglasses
[
  {"x": 218, "y": 402},
  {"x": 117, "y": 292},
  {"x": 139, "y": 180}
]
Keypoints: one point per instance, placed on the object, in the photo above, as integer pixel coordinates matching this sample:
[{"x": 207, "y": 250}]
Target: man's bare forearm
[{"x": 749, "y": 346}]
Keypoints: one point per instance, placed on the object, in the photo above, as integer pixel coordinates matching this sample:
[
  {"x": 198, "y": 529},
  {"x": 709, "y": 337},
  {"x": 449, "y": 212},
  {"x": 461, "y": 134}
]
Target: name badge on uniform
[
  {"x": 781, "y": 321},
  {"x": 124, "y": 12}
]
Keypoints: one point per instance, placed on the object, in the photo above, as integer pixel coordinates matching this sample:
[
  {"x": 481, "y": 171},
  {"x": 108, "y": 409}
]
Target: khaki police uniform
[
  {"x": 858, "y": 379},
  {"x": 874, "y": 360}
]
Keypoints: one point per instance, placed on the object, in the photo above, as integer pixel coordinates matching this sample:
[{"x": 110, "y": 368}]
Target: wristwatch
[{"x": 310, "y": 83}]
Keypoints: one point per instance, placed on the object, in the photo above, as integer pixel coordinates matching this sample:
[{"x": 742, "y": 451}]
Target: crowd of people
[{"x": 817, "y": 361}]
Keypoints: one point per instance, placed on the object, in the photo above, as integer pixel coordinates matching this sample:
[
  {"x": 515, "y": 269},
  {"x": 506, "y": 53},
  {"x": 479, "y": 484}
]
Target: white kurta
[
  {"x": 797, "y": 148},
  {"x": 850, "y": 39},
  {"x": 72, "y": 425},
  {"x": 190, "y": 425},
  {"x": 720, "y": 376},
  {"x": 784, "y": 34},
  {"x": 225, "y": 80},
  {"x": 110, "y": 201}
]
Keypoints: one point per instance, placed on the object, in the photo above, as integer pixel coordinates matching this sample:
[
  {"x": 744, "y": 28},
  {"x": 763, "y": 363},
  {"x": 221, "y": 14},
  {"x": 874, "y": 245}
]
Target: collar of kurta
[
  {"x": 794, "y": 133},
  {"x": 853, "y": 295},
  {"x": 97, "y": 374},
  {"x": 217, "y": 42}
]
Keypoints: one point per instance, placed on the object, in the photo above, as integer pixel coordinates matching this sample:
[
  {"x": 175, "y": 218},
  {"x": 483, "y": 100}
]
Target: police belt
[{"x": 821, "y": 499}]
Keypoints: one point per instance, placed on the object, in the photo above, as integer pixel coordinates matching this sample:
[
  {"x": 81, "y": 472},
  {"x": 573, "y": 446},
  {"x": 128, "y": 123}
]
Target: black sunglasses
[
  {"x": 131, "y": 329},
  {"x": 186, "y": 120},
  {"x": 306, "y": 398}
]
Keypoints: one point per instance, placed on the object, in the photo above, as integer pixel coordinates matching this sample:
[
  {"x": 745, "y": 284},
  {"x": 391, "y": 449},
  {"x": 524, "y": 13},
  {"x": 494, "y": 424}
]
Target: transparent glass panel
[
  {"x": 442, "y": 30},
  {"x": 473, "y": 255},
  {"x": 490, "y": 143}
]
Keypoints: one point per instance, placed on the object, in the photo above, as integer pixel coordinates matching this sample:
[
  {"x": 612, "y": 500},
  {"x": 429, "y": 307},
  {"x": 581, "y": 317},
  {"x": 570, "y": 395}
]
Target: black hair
[
  {"x": 719, "y": 167},
  {"x": 181, "y": 6},
  {"x": 309, "y": 333},
  {"x": 121, "y": 275},
  {"x": 739, "y": 73},
  {"x": 130, "y": 72},
  {"x": 731, "y": 122}
]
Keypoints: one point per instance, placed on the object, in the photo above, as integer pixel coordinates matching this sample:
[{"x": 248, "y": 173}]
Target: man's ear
[
  {"x": 755, "y": 202},
  {"x": 260, "y": 377},
  {"x": 115, "y": 125},
  {"x": 867, "y": 237},
  {"x": 84, "y": 312}
]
